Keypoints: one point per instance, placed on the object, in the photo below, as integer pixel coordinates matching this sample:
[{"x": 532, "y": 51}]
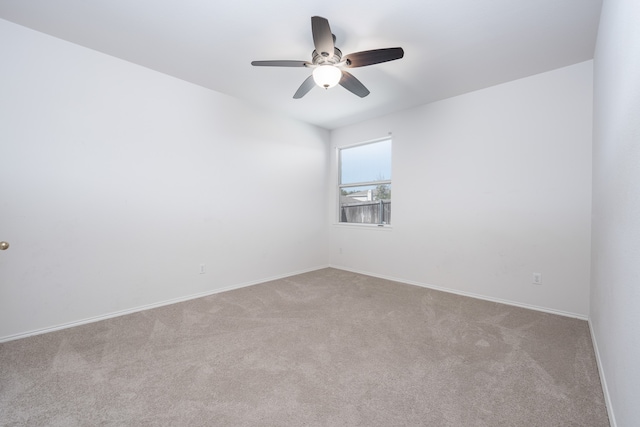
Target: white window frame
[{"x": 340, "y": 185}]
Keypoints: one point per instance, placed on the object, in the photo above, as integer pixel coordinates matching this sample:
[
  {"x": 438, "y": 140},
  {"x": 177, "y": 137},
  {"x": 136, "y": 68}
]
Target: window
[{"x": 364, "y": 184}]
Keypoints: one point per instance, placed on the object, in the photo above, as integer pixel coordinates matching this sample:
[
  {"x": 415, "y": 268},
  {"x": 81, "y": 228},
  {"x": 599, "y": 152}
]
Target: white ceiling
[{"x": 451, "y": 46}]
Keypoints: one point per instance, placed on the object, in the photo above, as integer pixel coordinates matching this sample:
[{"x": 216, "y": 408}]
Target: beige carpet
[{"x": 327, "y": 348}]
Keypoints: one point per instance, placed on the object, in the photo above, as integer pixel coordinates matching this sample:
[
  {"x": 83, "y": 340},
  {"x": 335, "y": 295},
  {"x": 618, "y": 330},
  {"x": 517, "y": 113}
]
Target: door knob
[{"x": 4, "y": 246}]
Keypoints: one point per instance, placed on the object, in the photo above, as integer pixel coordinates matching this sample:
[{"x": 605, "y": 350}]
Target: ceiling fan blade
[
  {"x": 304, "y": 88},
  {"x": 370, "y": 57},
  {"x": 280, "y": 63},
  {"x": 353, "y": 85},
  {"x": 322, "y": 37}
]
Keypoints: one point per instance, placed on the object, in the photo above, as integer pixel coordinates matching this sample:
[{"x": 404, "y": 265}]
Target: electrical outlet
[
  {"x": 202, "y": 269},
  {"x": 536, "y": 279}
]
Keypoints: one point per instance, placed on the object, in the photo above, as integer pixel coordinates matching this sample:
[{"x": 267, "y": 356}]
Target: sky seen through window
[{"x": 366, "y": 163}]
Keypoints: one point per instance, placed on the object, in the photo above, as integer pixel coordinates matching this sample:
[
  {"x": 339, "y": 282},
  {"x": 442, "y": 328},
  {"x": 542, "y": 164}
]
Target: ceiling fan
[{"x": 328, "y": 63}]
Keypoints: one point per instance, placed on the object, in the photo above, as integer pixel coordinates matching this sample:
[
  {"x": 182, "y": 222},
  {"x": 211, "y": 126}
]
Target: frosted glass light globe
[{"x": 327, "y": 76}]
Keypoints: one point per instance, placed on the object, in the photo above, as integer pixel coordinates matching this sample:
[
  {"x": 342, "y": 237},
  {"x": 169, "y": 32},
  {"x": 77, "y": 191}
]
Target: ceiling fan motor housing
[{"x": 319, "y": 59}]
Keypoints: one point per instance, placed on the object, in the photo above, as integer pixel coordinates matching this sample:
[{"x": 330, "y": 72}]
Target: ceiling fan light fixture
[
  {"x": 327, "y": 76},
  {"x": 328, "y": 69}
]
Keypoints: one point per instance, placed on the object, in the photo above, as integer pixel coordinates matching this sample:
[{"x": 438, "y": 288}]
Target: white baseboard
[
  {"x": 603, "y": 379},
  {"x": 467, "y": 294},
  {"x": 267, "y": 279},
  {"x": 153, "y": 305}
]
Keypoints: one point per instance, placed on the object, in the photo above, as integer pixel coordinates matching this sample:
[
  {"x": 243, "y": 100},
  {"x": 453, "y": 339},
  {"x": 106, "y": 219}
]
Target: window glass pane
[
  {"x": 366, "y": 204},
  {"x": 366, "y": 163}
]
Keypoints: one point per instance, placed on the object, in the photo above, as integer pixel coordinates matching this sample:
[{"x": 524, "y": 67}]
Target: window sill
[{"x": 387, "y": 227}]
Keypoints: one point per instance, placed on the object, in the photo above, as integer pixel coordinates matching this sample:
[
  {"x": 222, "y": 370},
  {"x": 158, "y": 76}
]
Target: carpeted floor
[{"x": 326, "y": 348}]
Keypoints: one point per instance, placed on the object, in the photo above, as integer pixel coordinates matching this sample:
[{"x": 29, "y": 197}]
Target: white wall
[
  {"x": 488, "y": 187},
  {"x": 117, "y": 182},
  {"x": 615, "y": 273}
]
